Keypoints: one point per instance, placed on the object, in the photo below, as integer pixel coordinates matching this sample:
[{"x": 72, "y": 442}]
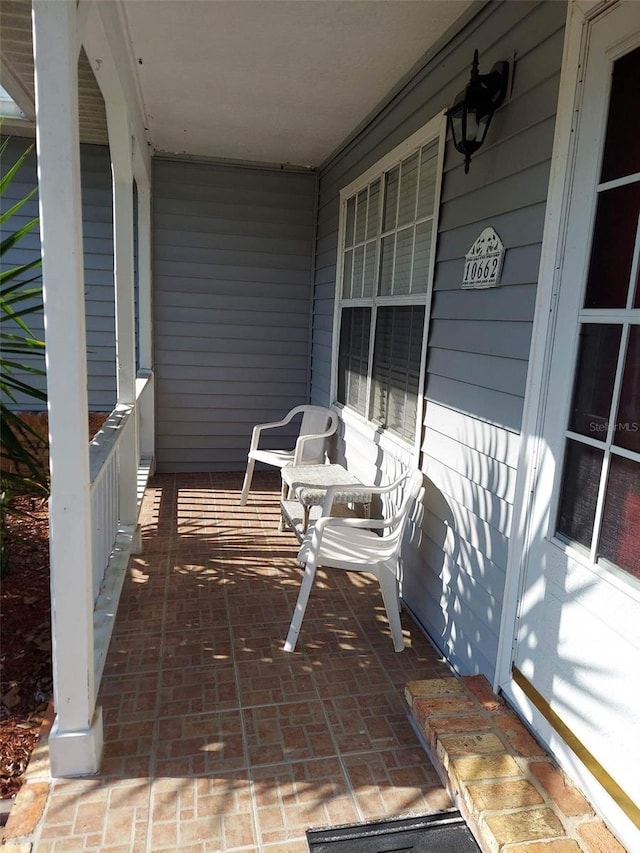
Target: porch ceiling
[
  {"x": 278, "y": 81},
  {"x": 272, "y": 81}
]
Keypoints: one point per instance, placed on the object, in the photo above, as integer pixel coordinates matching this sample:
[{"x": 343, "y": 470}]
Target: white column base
[{"x": 76, "y": 753}]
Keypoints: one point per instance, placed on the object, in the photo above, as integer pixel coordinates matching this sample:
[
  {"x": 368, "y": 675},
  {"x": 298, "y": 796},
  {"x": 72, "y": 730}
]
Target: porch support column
[
  {"x": 146, "y": 423},
  {"x": 76, "y": 738},
  {"x": 105, "y": 44},
  {"x": 121, "y": 149},
  {"x": 145, "y": 334}
]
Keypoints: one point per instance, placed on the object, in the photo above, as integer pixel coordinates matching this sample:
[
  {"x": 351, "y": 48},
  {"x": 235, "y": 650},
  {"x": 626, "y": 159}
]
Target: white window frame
[
  {"x": 568, "y": 347},
  {"x": 433, "y": 130}
]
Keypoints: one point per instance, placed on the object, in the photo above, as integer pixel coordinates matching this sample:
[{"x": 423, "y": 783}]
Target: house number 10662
[
  {"x": 483, "y": 261},
  {"x": 481, "y": 272}
]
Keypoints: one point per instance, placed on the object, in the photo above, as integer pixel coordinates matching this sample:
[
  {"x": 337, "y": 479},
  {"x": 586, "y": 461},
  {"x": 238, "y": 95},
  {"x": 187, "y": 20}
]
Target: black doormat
[{"x": 445, "y": 832}]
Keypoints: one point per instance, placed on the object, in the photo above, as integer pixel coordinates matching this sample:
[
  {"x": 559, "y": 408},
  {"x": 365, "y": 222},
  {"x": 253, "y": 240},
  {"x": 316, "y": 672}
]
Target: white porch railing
[
  {"x": 104, "y": 453},
  {"x": 124, "y": 435}
]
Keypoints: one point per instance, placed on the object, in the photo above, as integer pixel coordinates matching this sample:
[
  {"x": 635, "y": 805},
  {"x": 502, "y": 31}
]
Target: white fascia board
[{"x": 105, "y": 42}]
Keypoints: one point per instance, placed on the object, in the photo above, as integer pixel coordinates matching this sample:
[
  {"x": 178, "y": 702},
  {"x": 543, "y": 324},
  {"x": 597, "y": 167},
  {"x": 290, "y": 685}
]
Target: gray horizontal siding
[
  {"x": 232, "y": 302},
  {"x": 478, "y": 340},
  {"x": 98, "y": 266},
  {"x": 454, "y": 578}
]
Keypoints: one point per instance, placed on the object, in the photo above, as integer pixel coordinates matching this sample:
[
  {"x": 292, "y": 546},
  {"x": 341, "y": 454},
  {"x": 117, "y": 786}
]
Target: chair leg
[
  {"x": 246, "y": 486},
  {"x": 389, "y": 590},
  {"x": 301, "y": 605}
]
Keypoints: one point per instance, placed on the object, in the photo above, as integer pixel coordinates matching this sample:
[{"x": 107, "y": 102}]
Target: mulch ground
[
  {"x": 25, "y": 639},
  {"x": 25, "y": 627}
]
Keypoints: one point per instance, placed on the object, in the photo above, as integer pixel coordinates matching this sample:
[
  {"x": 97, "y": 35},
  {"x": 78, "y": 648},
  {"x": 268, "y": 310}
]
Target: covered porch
[
  {"x": 96, "y": 491},
  {"x": 234, "y": 256},
  {"x": 214, "y": 738}
]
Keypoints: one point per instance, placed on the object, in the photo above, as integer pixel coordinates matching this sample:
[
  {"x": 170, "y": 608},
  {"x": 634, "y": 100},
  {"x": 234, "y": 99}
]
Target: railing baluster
[{"x": 113, "y": 452}]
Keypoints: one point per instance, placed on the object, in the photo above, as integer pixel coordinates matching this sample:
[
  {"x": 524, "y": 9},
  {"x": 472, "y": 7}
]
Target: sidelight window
[{"x": 600, "y": 494}]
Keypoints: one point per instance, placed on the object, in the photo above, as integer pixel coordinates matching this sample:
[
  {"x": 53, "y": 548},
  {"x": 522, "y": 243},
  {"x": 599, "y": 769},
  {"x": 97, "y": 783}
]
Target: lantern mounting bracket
[{"x": 471, "y": 114}]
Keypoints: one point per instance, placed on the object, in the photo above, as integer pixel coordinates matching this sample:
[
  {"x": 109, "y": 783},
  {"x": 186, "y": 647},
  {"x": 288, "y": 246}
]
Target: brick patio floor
[{"x": 216, "y": 739}]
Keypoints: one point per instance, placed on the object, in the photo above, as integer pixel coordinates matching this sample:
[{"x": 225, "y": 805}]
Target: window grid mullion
[
  {"x": 364, "y": 243},
  {"x": 352, "y": 302},
  {"x": 602, "y": 493},
  {"x": 606, "y": 461},
  {"x": 609, "y": 316},
  {"x": 372, "y": 337},
  {"x": 395, "y": 242},
  {"x": 617, "y": 386},
  {"x": 633, "y": 178},
  {"x": 406, "y": 377},
  {"x": 634, "y": 269},
  {"x": 406, "y": 299},
  {"x": 415, "y": 220},
  {"x": 374, "y": 297}
]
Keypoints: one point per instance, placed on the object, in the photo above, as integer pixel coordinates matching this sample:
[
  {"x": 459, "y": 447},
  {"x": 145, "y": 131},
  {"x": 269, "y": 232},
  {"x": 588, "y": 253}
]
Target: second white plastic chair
[
  {"x": 317, "y": 424},
  {"x": 353, "y": 544}
]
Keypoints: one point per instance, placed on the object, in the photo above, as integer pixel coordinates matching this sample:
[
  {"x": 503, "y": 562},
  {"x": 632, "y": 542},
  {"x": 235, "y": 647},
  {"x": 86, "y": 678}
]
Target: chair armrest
[
  {"x": 316, "y": 531},
  {"x": 363, "y": 523},
  {"x": 373, "y": 490},
  {"x": 332, "y": 491},
  {"x": 255, "y": 434}
]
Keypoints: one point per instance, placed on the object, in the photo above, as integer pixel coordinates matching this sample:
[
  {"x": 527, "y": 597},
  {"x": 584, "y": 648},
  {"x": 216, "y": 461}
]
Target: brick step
[{"x": 512, "y": 794}]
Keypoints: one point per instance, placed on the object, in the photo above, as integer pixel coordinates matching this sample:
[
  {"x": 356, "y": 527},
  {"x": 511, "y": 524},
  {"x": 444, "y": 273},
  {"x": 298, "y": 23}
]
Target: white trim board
[{"x": 533, "y": 463}]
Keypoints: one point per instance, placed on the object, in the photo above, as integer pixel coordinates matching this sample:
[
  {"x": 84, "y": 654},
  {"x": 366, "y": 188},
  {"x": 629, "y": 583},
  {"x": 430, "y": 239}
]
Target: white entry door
[{"x": 577, "y": 652}]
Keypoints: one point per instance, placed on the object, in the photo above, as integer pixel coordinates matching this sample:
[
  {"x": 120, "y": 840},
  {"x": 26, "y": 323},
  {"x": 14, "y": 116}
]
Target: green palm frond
[{"x": 23, "y": 470}]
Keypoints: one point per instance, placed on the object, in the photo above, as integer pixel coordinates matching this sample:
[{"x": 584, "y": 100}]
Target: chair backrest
[
  {"x": 316, "y": 419},
  {"x": 408, "y": 485}
]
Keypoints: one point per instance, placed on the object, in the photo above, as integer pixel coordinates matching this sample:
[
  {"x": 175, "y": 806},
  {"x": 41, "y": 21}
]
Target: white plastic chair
[
  {"x": 317, "y": 424},
  {"x": 351, "y": 544}
]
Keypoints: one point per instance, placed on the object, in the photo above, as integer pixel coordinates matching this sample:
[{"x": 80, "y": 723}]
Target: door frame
[{"x": 535, "y": 469}]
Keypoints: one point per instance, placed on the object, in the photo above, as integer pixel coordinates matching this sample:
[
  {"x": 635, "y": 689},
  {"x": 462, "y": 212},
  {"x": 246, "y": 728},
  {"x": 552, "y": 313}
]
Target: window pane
[
  {"x": 614, "y": 237},
  {"x": 408, "y": 186},
  {"x": 593, "y": 390},
  {"x": 622, "y": 152},
  {"x": 402, "y": 268},
  {"x": 421, "y": 258},
  {"x": 361, "y": 216},
  {"x": 358, "y": 266},
  {"x": 387, "y": 255},
  {"x": 427, "y": 183},
  {"x": 582, "y": 466},
  {"x": 374, "y": 209},
  {"x": 620, "y": 533},
  {"x": 370, "y": 269},
  {"x": 351, "y": 219},
  {"x": 396, "y": 368},
  {"x": 628, "y": 421},
  {"x": 386, "y": 264},
  {"x": 347, "y": 272},
  {"x": 353, "y": 358},
  {"x": 391, "y": 199}
]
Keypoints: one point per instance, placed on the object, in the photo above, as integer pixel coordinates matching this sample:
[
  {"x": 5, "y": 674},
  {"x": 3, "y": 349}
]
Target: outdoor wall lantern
[{"x": 473, "y": 110}]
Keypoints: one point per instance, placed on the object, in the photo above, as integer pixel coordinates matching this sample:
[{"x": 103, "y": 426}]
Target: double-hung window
[{"x": 388, "y": 231}]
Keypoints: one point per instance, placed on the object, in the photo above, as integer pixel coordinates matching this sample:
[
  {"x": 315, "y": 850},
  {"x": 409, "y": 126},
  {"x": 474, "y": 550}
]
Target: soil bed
[
  {"x": 25, "y": 626},
  {"x": 25, "y": 639}
]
